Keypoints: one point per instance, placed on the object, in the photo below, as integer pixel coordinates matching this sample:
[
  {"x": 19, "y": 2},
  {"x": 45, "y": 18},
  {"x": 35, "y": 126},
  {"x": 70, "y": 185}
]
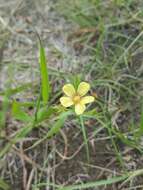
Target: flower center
[{"x": 76, "y": 99}]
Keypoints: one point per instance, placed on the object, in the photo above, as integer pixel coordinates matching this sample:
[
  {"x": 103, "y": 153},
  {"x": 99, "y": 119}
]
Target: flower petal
[
  {"x": 79, "y": 108},
  {"x": 69, "y": 90},
  {"x": 66, "y": 101},
  {"x": 83, "y": 88},
  {"x": 87, "y": 99}
]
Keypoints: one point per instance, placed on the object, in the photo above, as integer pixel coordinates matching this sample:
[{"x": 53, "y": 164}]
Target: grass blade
[
  {"x": 85, "y": 137},
  {"x": 96, "y": 184},
  {"x": 87, "y": 185},
  {"x": 3, "y": 185},
  {"x": 45, "y": 85},
  {"x": 58, "y": 125}
]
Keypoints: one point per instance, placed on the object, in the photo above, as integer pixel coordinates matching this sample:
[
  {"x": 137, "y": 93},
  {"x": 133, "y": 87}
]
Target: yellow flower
[{"x": 75, "y": 97}]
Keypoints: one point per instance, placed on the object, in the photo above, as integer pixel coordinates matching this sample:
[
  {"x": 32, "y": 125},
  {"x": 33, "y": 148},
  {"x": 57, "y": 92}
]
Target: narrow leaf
[
  {"x": 58, "y": 125},
  {"x": 96, "y": 184},
  {"x": 19, "y": 113},
  {"x": 45, "y": 85}
]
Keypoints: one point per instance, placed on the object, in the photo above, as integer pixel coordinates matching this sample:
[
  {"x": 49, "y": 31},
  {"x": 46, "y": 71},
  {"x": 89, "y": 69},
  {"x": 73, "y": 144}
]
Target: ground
[{"x": 100, "y": 42}]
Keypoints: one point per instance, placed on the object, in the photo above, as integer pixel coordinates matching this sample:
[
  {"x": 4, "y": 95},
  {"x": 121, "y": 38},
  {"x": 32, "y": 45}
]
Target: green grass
[
  {"x": 126, "y": 177},
  {"x": 109, "y": 37},
  {"x": 45, "y": 84}
]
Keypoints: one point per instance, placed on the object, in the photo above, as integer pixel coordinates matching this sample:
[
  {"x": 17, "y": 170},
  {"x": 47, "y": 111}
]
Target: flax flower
[{"x": 76, "y": 97}]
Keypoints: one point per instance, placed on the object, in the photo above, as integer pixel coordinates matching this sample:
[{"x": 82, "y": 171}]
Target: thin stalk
[{"x": 84, "y": 137}]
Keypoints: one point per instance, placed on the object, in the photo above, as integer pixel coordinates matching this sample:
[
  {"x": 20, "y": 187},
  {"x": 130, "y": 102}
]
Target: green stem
[{"x": 84, "y": 137}]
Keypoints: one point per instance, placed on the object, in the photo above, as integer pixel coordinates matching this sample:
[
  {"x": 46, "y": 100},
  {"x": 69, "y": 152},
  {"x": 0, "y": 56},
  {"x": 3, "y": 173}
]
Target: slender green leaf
[
  {"x": 96, "y": 184},
  {"x": 86, "y": 185},
  {"x": 59, "y": 124},
  {"x": 45, "y": 85},
  {"x": 19, "y": 113}
]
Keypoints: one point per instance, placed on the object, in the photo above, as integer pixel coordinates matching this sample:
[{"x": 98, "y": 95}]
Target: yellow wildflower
[{"x": 75, "y": 97}]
